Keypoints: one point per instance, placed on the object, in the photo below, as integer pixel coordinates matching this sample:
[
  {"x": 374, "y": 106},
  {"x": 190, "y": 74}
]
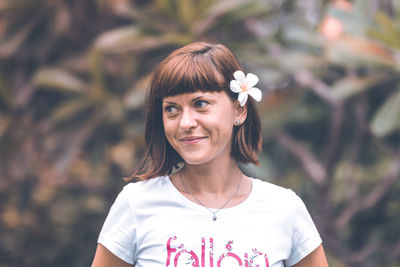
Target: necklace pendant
[{"x": 214, "y": 217}]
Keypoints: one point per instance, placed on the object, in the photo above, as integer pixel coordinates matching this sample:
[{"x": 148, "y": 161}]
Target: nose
[{"x": 188, "y": 120}]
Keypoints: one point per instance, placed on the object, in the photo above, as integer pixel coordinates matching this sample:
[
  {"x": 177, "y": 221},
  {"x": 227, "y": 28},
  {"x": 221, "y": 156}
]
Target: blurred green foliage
[{"x": 73, "y": 76}]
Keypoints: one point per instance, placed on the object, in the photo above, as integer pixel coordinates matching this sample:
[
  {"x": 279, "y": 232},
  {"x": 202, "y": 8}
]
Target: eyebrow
[
  {"x": 168, "y": 102},
  {"x": 206, "y": 95},
  {"x": 197, "y": 98}
]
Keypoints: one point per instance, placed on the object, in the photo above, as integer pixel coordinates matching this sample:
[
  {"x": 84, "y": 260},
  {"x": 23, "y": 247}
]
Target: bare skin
[
  {"x": 316, "y": 258},
  {"x": 199, "y": 127},
  {"x": 104, "y": 258}
]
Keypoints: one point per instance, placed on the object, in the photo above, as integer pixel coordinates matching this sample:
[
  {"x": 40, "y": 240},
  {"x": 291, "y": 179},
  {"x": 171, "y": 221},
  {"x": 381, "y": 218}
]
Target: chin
[{"x": 196, "y": 160}]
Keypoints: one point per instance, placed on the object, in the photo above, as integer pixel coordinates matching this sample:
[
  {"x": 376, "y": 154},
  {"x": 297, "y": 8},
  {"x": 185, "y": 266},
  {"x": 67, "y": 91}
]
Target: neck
[{"x": 213, "y": 179}]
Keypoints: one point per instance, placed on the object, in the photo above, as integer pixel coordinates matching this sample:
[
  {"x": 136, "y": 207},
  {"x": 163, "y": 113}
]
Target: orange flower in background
[
  {"x": 332, "y": 28},
  {"x": 344, "y": 46},
  {"x": 343, "y": 4}
]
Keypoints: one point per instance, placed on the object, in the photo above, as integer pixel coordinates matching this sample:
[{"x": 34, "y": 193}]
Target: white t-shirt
[{"x": 152, "y": 224}]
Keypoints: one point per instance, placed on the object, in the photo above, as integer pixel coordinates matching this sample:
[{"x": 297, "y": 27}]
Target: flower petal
[
  {"x": 251, "y": 80},
  {"x": 239, "y": 76},
  {"x": 235, "y": 86},
  {"x": 242, "y": 98},
  {"x": 255, "y": 93}
]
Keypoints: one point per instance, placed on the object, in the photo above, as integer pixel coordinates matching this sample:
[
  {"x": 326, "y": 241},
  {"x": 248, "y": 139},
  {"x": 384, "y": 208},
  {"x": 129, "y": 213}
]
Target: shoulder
[
  {"x": 145, "y": 191},
  {"x": 272, "y": 190},
  {"x": 145, "y": 186},
  {"x": 272, "y": 193}
]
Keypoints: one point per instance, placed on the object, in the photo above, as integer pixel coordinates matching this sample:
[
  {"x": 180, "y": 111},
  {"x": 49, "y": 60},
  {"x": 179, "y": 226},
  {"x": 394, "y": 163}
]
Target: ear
[{"x": 241, "y": 113}]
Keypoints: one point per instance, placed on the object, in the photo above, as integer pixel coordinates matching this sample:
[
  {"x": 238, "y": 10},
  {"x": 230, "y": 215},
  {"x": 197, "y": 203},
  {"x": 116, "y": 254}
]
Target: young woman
[{"x": 193, "y": 205}]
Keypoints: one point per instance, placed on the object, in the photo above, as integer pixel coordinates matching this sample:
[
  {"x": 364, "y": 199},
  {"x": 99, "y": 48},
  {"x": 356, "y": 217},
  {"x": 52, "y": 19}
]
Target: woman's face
[{"x": 199, "y": 125}]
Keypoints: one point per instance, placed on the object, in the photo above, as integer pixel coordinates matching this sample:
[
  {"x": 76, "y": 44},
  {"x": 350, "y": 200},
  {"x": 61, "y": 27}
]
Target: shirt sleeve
[
  {"x": 305, "y": 236},
  {"x": 118, "y": 233}
]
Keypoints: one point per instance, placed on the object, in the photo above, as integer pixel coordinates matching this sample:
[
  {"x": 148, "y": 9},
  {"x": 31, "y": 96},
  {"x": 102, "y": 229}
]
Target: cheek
[
  {"x": 169, "y": 129},
  {"x": 223, "y": 127}
]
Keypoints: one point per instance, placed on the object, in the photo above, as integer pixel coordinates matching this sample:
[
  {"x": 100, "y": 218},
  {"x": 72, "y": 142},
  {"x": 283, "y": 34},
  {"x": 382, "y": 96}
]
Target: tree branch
[
  {"x": 358, "y": 257},
  {"x": 372, "y": 198},
  {"x": 394, "y": 251},
  {"x": 79, "y": 140},
  {"x": 307, "y": 79},
  {"x": 310, "y": 164},
  {"x": 333, "y": 147}
]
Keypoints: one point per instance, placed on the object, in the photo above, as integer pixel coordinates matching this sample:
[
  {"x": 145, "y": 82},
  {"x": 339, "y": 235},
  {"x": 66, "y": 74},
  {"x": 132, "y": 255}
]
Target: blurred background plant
[{"x": 73, "y": 76}]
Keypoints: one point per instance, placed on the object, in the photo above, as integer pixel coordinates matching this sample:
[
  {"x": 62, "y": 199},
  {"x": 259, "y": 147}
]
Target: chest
[{"x": 177, "y": 237}]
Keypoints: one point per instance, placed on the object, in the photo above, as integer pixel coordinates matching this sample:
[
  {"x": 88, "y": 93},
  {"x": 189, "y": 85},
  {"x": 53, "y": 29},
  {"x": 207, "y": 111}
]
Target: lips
[{"x": 191, "y": 140}]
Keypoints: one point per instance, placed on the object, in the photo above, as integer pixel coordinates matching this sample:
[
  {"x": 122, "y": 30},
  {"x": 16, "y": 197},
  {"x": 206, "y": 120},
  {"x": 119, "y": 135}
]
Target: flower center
[{"x": 244, "y": 88}]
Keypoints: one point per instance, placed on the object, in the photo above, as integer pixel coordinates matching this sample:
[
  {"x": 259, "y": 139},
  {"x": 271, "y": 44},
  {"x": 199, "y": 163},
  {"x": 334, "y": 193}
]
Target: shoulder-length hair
[{"x": 197, "y": 66}]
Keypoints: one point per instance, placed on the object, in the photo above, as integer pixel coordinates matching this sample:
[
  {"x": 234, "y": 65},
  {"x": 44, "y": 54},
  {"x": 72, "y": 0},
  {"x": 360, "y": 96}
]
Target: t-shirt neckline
[{"x": 194, "y": 205}]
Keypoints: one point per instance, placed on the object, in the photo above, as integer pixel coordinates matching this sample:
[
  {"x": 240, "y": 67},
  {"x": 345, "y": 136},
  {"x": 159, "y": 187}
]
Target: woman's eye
[
  {"x": 200, "y": 104},
  {"x": 170, "y": 109}
]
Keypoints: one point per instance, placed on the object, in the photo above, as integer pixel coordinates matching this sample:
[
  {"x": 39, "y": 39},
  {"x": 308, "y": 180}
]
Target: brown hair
[{"x": 197, "y": 66}]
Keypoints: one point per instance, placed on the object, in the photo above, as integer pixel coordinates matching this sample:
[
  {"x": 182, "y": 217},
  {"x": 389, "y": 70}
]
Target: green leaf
[
  {"x": 4, "y": 125},
  {"x": 354, "y": 22},
  {"x": 355, "y": 52},
  {"x": 288, "y": 109},
  {"x": 386, "y": 31},
  {"x": 391, "y": 41},
  {"x": 58, "y": 79},
  {"x": 294, "y": 61},
  {"x": 131, "y": 39},
  {"x": 305, "y": 37},
  {"x": 11, "y": 45},
  {"x": 114, "y": 108},
  {"x": 186, "y": 11},
  {"x": 69, "y": 109},
  {"x": 386, "y": 23},
  {"x": 96, "y": 71},
  {"x": 117, "y": 39},
  {"x": 216, "y": 11},
  {"x": 18, "y": 4},
  {"x": 351, "y": 86},
  {"x": 387, "y": 119},
  {"x": 396, "y": 6},
  {"x": 135, "y": 97},
  {"x": 6, "y": 97}
]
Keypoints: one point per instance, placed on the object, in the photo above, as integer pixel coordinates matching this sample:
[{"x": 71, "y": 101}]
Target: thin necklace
[{"x": 214, "y": 213}]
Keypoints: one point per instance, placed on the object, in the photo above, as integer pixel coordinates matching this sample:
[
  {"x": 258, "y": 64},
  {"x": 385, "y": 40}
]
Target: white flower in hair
[{"x": 244, "y": 86}]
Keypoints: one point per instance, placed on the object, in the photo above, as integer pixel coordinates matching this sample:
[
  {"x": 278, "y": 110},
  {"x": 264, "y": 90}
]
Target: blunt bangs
[
  {"x": 188, "y": 73},
  {"x": 195, "y": 67}
]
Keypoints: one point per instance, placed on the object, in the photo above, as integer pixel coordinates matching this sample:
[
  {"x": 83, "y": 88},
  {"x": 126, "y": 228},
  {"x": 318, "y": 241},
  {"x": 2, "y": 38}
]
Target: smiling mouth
[{"x": 192, "y": 140}]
